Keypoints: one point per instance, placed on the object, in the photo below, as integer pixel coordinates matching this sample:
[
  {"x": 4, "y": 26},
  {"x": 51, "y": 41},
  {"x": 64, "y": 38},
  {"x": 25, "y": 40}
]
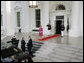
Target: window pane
[
  {"x": 37, "y": 23},
  {"x": 37, "y": 17},
  {"x": 34, "y": 2},
  {"x": 59, "y": 17},
  {"x": 18, "y": 19},
  {"x": 30, "y": 2},
  {"x": 60, "y": 7}
]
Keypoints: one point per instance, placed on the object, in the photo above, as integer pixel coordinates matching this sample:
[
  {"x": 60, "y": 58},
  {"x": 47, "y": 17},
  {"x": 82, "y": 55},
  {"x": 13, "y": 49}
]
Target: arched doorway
[
  {"x": 61, "y": 17},
  {"x": 59, "y": 21}
]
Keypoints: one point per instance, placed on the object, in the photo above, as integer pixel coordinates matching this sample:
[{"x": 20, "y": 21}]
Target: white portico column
[
  {"x": 25, "y": 22},
  {"x": 81, "y": 18},
  {"x": 45, "y": 17},
  {"x": 65, "y": 24},
  {"x": 74, "y": 31},
  {"x": 9, "y": 30}
]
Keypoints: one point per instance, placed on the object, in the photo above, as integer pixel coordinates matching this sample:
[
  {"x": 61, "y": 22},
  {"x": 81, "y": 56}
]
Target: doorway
[{"x": 58, "y": 27}]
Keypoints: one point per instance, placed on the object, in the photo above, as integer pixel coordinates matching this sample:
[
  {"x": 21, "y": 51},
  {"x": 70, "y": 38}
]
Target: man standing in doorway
[{"x": 62, "y": 29}]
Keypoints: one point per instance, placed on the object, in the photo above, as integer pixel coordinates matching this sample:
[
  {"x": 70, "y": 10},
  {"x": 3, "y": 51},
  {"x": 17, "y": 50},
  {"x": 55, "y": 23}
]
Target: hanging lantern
[{"x": 33, "y": 4}]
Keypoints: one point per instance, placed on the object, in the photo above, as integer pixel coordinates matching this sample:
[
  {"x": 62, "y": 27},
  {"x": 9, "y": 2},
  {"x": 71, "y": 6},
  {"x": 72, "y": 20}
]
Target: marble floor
[{"x": 59, "y": 49}]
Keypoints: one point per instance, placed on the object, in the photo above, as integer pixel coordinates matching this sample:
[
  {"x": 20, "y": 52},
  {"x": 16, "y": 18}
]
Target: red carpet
[{"x": 49, "y": 37}]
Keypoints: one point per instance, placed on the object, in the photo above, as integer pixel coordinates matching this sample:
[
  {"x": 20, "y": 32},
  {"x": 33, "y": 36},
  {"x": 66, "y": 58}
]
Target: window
[
  {"x": 37, "y": 17},
  {"x": 33, "y": 4},
  {"x": 18, "y": 19},
  {"x": 1, "y": 20},
  {"x": 59, "y": 17},
  {"x": 60, "y": 7}
]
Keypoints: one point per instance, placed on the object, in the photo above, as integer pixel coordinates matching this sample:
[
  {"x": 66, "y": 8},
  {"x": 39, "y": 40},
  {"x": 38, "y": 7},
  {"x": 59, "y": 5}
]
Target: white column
[
  {"x": 45, "y": 17},
  {"x": 25, "y": 23},
  {"x": 65, "y": 24},
  {"x": 81, "y": 18},
  {"x": 3, "y": 18},
  {"x": 74, "y": 31},
  {"x": 9, "y": 30},
  {"x": 13, "y": 16}
]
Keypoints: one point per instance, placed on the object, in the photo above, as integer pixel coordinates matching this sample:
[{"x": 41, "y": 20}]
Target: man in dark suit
[
  {"x": 23, "y": 44},
  {"x": 29, "y": 45},
  {"x": 49, "y": 28},
  {"x": 62, "y": 30}
]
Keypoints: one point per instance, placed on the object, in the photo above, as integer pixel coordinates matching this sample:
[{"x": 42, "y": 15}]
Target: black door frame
[
  {"x": 58, "y": 26},
  {"x": 59, "y": 18}
]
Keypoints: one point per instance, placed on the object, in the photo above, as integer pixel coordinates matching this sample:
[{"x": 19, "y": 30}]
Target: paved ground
[
  {"x": 52, "y": 52},
  {"x": 66, "y": 49}
]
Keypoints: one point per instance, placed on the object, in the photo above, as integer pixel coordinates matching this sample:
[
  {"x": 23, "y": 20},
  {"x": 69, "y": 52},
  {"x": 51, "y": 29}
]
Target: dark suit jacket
[
  {"x": 62, "y": 27},
  {"x": 29, "y": 44},
  {"x": 22, "y": 43},
  {"x": 49, "y": 27}
]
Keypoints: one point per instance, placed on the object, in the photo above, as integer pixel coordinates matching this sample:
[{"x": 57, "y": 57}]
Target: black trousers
[
  {"x": 29, "y": 50},
  {"x": 23, "y": 49}
]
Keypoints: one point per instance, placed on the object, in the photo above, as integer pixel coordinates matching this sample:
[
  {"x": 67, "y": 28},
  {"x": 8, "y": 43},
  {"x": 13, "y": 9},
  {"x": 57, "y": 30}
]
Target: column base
[{"x": 74, "y": 33}]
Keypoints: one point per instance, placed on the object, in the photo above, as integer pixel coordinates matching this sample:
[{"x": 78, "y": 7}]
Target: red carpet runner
[{"x": 49, "y": 37}]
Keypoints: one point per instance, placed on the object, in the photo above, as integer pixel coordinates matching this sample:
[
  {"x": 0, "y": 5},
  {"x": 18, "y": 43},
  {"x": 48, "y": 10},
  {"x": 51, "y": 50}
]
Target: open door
[{"x": 58, "y": 27}]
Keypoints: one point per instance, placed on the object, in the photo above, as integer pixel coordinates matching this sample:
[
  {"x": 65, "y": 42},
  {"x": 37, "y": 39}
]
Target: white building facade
[{"x": 11, "y": 10}]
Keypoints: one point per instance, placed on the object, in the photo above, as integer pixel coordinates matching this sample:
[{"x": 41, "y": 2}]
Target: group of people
[
  {"x": 41, "y": 30},
  {"x": 49, "y": 30},
  {"x": 29, "y": 44}
]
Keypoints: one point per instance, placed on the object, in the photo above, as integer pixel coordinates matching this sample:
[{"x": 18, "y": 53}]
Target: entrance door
[{"x": 58, "y": 26}]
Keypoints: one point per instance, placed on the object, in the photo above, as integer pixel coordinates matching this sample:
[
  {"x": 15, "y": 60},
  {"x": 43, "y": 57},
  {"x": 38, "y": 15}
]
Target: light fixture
[{"x": 33, "y": 4}]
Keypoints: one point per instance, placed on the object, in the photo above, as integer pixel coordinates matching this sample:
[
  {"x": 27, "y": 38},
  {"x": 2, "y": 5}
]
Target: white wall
[
  {"x": 3, "y": 12},
  {"x": 45, "y": 17},
  {"x": 76, "y": 20},
  {"x": 32, "y": 18},
  {"x": 81, "y": 18}
]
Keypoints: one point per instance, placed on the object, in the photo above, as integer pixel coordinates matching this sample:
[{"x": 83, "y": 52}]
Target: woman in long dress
[{"x": 40, "y": 31}]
